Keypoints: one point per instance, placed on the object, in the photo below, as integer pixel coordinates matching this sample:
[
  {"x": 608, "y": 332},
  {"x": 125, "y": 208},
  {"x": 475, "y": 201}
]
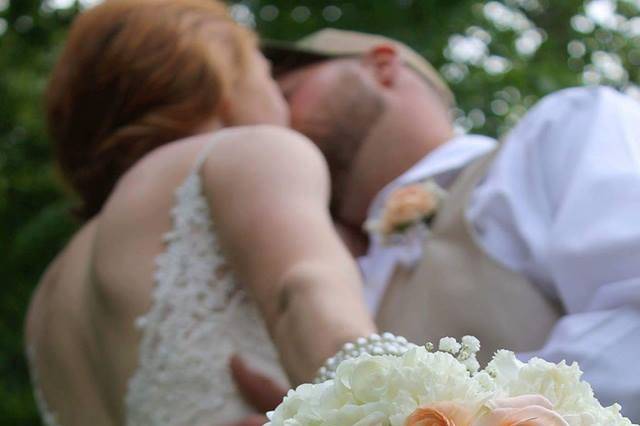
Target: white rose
[
  {"x": 370, "y": 379},
  {"x": 373, "y": 419}
]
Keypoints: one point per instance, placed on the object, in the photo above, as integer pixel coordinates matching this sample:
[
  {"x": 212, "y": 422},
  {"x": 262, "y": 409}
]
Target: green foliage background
[{"x": 494, "y": 81}]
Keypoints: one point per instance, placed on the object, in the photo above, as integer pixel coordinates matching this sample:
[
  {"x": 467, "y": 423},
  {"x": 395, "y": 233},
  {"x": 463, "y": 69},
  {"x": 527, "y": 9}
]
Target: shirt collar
[{"x": 442, "y": 164}]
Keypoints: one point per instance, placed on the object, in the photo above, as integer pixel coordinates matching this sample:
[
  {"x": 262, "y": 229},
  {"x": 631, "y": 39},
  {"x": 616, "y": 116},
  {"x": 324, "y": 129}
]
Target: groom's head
[{"x": 372, "y": 105}]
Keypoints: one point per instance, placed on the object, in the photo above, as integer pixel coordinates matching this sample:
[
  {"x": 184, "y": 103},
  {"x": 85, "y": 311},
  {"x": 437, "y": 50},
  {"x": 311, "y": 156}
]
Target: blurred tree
[
  {"x": 33, "y": 223},
  {"x": 499, "y": 56}
]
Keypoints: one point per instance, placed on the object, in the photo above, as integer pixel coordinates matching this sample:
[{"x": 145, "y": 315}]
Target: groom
[{"x": 536, "y": 246}]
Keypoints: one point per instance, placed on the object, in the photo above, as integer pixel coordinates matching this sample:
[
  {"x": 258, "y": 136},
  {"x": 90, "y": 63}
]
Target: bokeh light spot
[
  {"x": 499, "y": 107},
  {"x": 602, "y": 12},
  {"x": 243, "y": 15},
  {"x": 85, "y": 4},
  {"x": 24, "y": 24},
  {"x": 331, "y": 13},
  {"x": 495, "y": 65},
  {"x": 576, "y": 49},
  {"x": 300, "y": 14},
  {"x": 269, "y": 13},
  {"x": 582, "y": 24}
]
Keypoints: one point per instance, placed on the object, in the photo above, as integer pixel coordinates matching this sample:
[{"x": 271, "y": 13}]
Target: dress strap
[{"x": 204, "y": 153}]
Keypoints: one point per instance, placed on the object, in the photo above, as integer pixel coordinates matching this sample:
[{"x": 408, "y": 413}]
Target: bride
[{"x": 206, "y": 229}]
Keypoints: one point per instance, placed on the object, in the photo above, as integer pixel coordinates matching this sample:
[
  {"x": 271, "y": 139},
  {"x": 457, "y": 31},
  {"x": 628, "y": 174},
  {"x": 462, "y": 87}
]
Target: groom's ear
[{"x": 385, "y": 62}]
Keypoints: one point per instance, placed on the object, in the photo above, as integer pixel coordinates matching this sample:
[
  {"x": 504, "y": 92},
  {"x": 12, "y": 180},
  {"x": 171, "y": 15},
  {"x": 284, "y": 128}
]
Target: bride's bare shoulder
[
  {"x": 150, "y": 183},
  {"x": 142, "y": 198},
  {"x": 155, "y": 176},
  {"x": 138, "y": 210},
  {"x": 263, "y": 143},
  {"x": 153, "y": 173},
  {"x": 271, "y": 154}
]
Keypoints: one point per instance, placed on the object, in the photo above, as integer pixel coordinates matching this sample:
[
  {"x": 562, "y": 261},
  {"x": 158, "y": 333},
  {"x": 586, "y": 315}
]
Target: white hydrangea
[
  {"x": 381, "y": 390},
  {"x": 384, "y": 390}
]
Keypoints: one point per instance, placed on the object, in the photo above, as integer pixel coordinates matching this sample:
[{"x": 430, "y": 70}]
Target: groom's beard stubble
[{"x": 339, "y": 129}]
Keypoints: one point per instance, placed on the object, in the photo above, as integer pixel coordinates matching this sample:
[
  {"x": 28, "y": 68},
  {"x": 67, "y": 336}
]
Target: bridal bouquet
[{"x": 424, "y": 387}]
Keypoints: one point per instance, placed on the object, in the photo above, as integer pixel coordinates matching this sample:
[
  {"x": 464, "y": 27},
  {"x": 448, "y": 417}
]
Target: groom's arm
[{"x": 268, "y": 189}]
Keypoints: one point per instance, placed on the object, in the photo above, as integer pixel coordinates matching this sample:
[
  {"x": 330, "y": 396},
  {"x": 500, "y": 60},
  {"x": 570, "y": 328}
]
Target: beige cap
[{"x": 332, "y": 43}]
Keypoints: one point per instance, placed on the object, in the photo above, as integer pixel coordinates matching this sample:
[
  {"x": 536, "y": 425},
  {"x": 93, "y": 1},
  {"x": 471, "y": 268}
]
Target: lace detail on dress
[{"x": 198, "y": 319}]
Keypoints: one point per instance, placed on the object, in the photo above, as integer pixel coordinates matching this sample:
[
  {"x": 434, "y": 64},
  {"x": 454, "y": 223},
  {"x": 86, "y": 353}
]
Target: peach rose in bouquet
[
  {"x": 525, "y": 410},
  {"x": 441, "y": 414}
]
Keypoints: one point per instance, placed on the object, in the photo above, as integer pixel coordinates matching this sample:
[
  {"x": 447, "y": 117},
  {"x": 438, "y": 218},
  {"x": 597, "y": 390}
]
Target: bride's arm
[{"x": 268, "y": 190}]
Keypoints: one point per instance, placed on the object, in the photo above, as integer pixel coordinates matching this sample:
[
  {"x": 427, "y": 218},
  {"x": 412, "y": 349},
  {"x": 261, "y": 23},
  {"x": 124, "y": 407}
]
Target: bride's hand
[
  {"x": 255, "y": 420},
  {"x": 262, "y": 393}
]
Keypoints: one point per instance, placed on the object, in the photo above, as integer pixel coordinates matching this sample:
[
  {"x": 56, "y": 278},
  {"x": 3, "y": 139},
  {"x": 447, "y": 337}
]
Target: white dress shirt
[{"x": 561, "y": 205}]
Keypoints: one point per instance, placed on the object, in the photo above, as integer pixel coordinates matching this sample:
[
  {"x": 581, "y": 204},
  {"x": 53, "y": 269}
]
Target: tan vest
[{"x": 457, "y": 289}]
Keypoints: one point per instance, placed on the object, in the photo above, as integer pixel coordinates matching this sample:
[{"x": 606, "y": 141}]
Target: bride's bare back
[
  {"x": 80, "y": 324},
  {"x": 276, "y": 232}
]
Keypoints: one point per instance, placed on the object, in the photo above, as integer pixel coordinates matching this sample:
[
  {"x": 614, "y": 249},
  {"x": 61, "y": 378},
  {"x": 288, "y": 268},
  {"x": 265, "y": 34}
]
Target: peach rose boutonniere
[{"x": 406, "y": 208}]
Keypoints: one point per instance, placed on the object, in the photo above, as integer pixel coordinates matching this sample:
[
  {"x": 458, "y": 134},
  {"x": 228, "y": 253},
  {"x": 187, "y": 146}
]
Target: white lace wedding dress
[{"x": 199, "y": 317}]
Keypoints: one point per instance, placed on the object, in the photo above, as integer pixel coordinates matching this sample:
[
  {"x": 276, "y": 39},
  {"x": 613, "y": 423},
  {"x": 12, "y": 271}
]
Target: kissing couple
[{"x": 277, "y": 203}]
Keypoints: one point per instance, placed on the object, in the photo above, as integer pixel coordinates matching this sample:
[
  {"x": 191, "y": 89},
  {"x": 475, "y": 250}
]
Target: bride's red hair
[{"x": 136, "y": 74}]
